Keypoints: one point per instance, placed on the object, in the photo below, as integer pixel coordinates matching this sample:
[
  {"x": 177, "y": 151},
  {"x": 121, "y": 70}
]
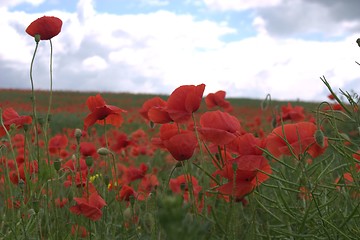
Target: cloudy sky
[{"x": 248, "y": 48}]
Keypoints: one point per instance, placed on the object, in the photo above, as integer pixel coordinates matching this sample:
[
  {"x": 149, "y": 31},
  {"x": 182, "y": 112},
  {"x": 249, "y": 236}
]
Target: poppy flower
[
  {"x": 47, "y": 27},
  {"x": 100, "y": 112},
  {"x": 132, "y": 173},
  {"x": 11, "y": 117},
  {"x": 125, "y": 193},
  {"x": 155, "y": 111},
  {"x": 79, "y": 231},
  {"x": 295, "y": 114},
  {"x": 147, "y": 184},
  {"x": 183, "y": 101},
  {"x": 121, "y": 142},
  {"x": 246, "y": 176},
  {"x": 179, "y": 185},
  {"x": 89, "y": 205},
  {"x": 218, "y": 127},
  {"x": 88, "y": 149},
  {"x": 24, "y": 169},
  {"x": 217, "y": 99},
  {"x": 180, "y": 143},
  {"x": 247, "y": 144},
  {"x": 299, "y": 137},
  {"x": 57, "y": 143}
]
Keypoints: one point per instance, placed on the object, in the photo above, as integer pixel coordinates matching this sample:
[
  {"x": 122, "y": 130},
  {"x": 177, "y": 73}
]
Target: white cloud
[
  {"x": 12, "y": 3},
  {"x": 94, "y": 63},
  {"x": 239, "y": 5},
  {"x": 159, "y": 51}
]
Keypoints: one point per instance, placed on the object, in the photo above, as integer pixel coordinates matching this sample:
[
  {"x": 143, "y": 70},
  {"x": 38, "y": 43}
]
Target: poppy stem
[
  {"x": 47, "y": 119},
  {"x": 33, "y": 100}
]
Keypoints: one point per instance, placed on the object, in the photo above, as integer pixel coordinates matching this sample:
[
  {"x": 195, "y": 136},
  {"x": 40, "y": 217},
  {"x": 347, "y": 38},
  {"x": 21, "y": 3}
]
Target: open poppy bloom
[
  {"x": 218, "y": 127},
  {"x": 101, "y": 112},
  {"x": 180, "y": 143},
  {"x": 179, "y": 185},
  {"x": 57, "y": 143},
  {"x": 11, "y": 117},
  {"x": 217, "y": 99},
  {"x": 183, "y": 101},
  {"x": 47, "y": 27},
  {"x": 89, "y": 206},
  {"x": 155, "y": 111},
  {"x": 295, "y": 114},
  {"x": 246, "y": 177},
  {"x": 246, "y": 144},
  {"x": 297, "y": 137}
]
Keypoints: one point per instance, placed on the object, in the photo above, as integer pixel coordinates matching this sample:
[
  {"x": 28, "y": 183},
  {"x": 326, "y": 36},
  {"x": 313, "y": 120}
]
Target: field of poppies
[{"x": 185, "y": 166}]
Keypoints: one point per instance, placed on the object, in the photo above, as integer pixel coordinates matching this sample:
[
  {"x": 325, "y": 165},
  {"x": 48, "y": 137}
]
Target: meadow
[{"x": 76, "y": 165}]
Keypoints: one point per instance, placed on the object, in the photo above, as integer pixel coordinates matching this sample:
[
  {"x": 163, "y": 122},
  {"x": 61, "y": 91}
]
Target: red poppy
[
  {"x": 331, "y": 96},
  {"x": 246, "y": 174},
  {"x": 100, "y": 112},
  {"x": 295, "y": 114},
  {"x": 57, "y": 143},
  {"x": 47, "y": 27},
  {"x": 219, "y": 127},
  {"x": 89, "y": 205},
  {"x": 88, "y": 149},
  {"x": 24, "y": 169},
  {"x": 247, "y": 144},
  {"x": 154, "y": 110},
  {"x": 180, "y": 143},
  {"x": 147, "y": 184},
  {"x": 133, "y": 173},
  {"x": 125, "y": 193},
  {"x": 121, "y": 142},
  {"x": 11, "y": 117},
  {"x": 183, "y": 101},
  {"x": 79, "y": 231},
  {"x": 217, "y": 99},
  {"x": 180, "y": 185},
  {"x": 299, "y": 137}
]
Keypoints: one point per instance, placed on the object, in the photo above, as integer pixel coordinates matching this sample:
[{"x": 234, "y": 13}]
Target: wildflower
[
  {"x": 87, "y": 149},
  {"x": 47, "y": 27},
  {"x": 89, "y": 205},
  {"x": 101, "y": 112},
  {"x": 57, "y": 143},
  {"x": 11, "y": 117},
  {"x": 219, "y": 127},
  {"x": 183, "y": 101},
  {"x": 125, "y": 193},
  {"x": 243, "y": 175},
  {"x": 217, "y": 99},
  {"x": 79, "y": 231},
  {"x": 179, "y": 185},
  {"x": 155, "y": 111},
  {"x": 246, "y": 144},
  {"x": 297, "y": 138},
  {"x": 295, "y": 114},
  {"x": 180, "y": 143}
]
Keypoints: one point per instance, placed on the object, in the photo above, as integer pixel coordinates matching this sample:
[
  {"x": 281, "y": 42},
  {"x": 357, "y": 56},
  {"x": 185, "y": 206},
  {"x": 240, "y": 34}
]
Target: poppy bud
[
  {"x": 103, "y": 151},
  {"x": 21, "y": 184},
  {"x": 26, "y": 127},
  {"x": 37, "y": 38},
  {"x": 36, "y": 205},
  {"x": 106, "y": 180},
  {"x": 127, "y": 213},
  {"x": 57, "y": 164},
  {"x": 319, "y": 138},
  {"x": 89, "y": 161},
  {"x": 78, "y": 134}
]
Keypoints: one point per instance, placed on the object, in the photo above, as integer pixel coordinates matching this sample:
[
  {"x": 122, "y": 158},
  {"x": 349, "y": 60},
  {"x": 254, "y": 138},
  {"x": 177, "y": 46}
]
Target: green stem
[
  {"x": 33, "y": 100},
  {"x": 46, "y": 126}
]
